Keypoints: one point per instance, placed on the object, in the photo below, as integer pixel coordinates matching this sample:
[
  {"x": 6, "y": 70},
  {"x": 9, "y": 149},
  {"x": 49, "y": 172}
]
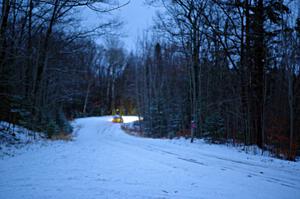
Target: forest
[{"x": 231, "y": 67}]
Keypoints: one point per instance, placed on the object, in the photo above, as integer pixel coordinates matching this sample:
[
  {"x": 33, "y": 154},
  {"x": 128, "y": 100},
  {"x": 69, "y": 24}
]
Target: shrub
[{"x": 213, "y": 128}]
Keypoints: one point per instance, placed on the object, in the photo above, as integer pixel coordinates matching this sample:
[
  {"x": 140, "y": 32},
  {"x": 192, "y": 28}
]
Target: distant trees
[
  {"x": 161, "y": 85},
  {"x": 105, "y": 84}
]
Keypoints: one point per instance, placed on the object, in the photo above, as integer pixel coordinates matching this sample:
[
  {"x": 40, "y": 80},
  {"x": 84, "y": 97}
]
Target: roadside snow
[
  {"x": 14, "y": 137},
  {"x": 105, "y": 162},
  {"x": 130, "y": 119}
]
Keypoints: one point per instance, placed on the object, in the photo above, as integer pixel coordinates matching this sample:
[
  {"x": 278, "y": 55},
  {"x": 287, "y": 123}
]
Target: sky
[{"x": 137, "y": 16}]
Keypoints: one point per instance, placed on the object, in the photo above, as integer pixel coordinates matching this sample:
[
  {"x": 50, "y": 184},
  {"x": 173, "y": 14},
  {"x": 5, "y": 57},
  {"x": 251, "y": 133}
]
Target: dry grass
[
  {"x": 131, "y": 131},
  {"x": 62, "y": 136},
  {"x": 66, "y": 136}
]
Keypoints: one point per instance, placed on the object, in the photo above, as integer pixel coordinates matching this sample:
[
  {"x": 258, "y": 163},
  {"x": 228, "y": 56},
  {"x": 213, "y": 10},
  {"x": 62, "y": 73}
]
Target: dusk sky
[{"x": 136, "y": 16}]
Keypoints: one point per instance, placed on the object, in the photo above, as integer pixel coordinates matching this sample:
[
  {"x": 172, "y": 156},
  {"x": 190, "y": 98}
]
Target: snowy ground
[
  {"x": 104, "y": 162},
  {"x": 14, "y": 139}
]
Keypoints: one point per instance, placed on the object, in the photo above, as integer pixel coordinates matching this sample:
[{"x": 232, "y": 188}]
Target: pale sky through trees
[{"x": 136, "y": 16}]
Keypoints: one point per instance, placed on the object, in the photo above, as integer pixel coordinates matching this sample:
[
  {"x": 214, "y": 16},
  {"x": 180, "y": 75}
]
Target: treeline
[
  {"x": 47, "y": 62},
  {"x": 230, "y": 66}
]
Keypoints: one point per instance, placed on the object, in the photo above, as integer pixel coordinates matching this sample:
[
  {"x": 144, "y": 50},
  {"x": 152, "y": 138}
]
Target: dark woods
[
  {"x": 47, "y": 62},
  {"x": 232, "y": 67}
]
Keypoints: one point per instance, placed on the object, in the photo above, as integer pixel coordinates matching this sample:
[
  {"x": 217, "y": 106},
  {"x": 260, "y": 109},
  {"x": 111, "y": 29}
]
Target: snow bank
[
  {"x": 130, "y": 119},
  {"x": 14, "y": 137}
]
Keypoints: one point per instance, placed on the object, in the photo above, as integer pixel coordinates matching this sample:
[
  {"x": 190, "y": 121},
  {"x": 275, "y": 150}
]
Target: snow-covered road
[{"x": 104, "y": 162}]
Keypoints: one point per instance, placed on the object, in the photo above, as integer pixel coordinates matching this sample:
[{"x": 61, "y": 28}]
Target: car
[{"x": 117, "y": 119}]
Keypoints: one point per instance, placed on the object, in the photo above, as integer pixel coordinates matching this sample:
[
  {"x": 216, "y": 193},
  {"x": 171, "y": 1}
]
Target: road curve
[{"x": 104, "y": 162}]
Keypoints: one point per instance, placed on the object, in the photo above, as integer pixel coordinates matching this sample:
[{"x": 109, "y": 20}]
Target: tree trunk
[
  {"x": 86, "y": 97},
  {"x": 3, "y": 26},
  {"x": 291, "y": 107},
  {"x": 28, "y": 72},
  {"x": 258, "y": 75},
  {"x": 42, "y": 62}
]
